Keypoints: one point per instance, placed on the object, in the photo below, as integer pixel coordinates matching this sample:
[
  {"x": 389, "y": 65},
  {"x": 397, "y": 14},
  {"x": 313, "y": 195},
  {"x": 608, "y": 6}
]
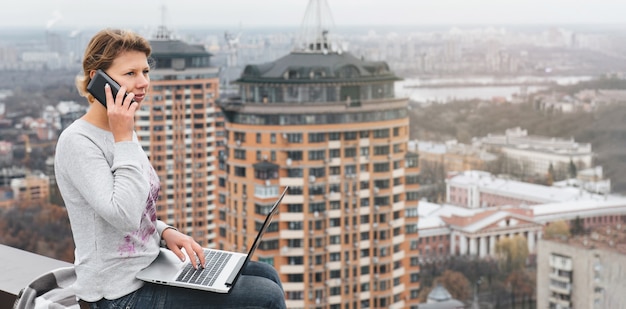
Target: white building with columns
[
  {"x": 446, "y": 230},
  {"x": 452, "y": 230}
]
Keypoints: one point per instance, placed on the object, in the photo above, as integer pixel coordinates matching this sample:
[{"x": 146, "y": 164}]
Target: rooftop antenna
[
  {"x": 162, "y": 32},
  {"x": 315, "y": 28}
]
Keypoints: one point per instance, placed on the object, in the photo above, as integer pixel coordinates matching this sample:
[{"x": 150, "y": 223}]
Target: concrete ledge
[{"x": 18, "y": 268}]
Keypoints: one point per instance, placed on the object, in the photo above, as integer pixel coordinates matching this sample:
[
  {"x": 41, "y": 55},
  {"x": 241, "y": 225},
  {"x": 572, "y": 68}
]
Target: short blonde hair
[{"x": 103, "y": 48}]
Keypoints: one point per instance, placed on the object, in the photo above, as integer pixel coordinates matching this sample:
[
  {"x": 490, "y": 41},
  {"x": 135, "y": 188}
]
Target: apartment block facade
[
  {"x": 584, "y": 271},
  {"x": 179, "y": 126},
  {"x": 326, "y": 125}
]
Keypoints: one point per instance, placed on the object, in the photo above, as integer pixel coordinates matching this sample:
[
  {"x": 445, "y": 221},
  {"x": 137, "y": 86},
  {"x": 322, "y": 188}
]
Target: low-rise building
[
  {"x": 479, "y": 189},
  {"x": 585, "y": 271},
  {"x": 6, "y": 153},
  {"x": 484, "y": 209},
  {"x": 453, "y": 156},
  {"x": 535, "y": 155},
  {"x": 33, "y": 188},
  {"x": 448, "y": 230}
]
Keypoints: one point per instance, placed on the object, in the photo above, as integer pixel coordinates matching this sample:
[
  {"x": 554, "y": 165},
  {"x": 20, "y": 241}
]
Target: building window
[
  {"x": 381, "y": 167},
  {"x": 240, "y": 136},
  {"x": 266, "y": 173},
  {"x": 294, "y": 172},
  {"x": 294, "y": 137},
  {"x": 240, "y": 154},
  {"x": 381, "y": 133},
  {"x": 295, "y": 277},
  {"x": 317, "y": 137},
  {"x": 317, "y": 171},
  {"x": 334, "y": 136},
  {"x": 349, "y": 136},
  {"x": 317, "y": 155},
  {"x": 350, "y": 152},
  {"x": 294, "y": 155},
  {"x": 294, "y": 225},
  {"x": 411, "y": 160},
  {"x": 262, "y": 209},
  {"x": 263, "y": 191},
  {"x": 397, "y": 148},
  {"x": 240, "y": 171},
  {"x": 381, "y": 150}
]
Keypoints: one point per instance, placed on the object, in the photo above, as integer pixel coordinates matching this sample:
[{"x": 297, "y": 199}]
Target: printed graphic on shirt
[{"x": 136, "y": 241}]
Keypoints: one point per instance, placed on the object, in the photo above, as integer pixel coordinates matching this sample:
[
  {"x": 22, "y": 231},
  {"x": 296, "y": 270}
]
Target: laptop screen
[{"x": 257, "y": 240}]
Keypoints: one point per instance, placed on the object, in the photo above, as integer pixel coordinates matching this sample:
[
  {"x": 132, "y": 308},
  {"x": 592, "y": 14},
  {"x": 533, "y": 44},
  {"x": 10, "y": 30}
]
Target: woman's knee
[
  {"x": 264, "y": 270},
  {"x": 260, "y": 292}
]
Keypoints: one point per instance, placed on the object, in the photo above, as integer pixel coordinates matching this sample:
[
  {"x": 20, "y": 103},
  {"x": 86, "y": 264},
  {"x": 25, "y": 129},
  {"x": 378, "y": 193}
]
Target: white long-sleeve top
[{"x": 110, "y": 192}]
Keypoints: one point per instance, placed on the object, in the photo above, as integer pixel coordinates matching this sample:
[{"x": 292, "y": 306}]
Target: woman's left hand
[{"x": 176, "y": 240}]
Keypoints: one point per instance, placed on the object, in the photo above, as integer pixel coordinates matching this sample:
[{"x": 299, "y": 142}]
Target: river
[{"x": 443, "y": 90}]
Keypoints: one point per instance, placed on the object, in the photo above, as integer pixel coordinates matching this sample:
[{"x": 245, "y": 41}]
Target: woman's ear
[{"x": 92, "y": 73}]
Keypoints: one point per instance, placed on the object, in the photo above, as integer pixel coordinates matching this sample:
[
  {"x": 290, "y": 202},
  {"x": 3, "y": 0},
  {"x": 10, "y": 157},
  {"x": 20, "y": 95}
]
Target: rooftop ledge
[{"x": 18, "y": 269}]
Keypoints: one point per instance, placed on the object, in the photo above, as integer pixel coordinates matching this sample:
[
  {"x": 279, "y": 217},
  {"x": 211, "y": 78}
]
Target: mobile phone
[{"x": 96, "y": 86}]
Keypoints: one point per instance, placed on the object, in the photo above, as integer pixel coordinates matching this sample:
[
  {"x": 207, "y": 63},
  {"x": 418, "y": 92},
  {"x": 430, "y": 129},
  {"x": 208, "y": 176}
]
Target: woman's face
[{"x": 131, "y": 69}]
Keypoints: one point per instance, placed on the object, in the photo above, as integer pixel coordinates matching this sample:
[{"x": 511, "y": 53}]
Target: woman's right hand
[
  {"x": 176, "y": 240},
  {"x": 121, "y": 113}
]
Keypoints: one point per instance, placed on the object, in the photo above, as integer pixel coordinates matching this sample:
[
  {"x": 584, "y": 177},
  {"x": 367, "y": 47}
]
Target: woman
[{"x": 110, "y": 191}]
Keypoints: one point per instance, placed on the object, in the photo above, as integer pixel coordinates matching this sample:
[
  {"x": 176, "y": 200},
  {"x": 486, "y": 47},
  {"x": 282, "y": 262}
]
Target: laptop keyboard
[{"x": 215, "y": 262}]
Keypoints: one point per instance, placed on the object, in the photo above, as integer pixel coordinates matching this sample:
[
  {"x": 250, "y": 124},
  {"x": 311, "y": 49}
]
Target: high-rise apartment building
[
  {"x": 327, "y": 125},
  {"x": 179, "y": 127}
]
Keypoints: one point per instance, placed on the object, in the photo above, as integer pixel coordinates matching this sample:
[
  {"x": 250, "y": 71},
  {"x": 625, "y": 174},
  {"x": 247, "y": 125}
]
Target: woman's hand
[
  {"x": 176, "y": 240},
  {"x": 121, "y": 113}
]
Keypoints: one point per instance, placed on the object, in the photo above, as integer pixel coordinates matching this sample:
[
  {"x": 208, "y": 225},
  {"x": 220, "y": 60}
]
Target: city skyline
[{"x": 247, "y": 13}]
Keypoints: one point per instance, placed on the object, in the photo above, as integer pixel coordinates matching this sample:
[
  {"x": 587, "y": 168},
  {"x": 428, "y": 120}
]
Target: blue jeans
[{"x": 258, "y": 287}]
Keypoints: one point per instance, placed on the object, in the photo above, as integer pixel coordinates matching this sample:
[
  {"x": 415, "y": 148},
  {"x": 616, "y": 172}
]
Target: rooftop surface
[
  {"x": 540, "y": 193},
  {"x": 610, "y": 238}
]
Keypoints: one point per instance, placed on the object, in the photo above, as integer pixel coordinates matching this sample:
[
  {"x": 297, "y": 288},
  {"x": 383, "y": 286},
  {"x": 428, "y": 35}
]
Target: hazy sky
[{"x": 249, "y": 13}]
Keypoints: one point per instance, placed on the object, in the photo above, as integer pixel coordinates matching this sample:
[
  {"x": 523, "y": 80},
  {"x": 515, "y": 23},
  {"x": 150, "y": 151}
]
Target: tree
[
  {"x": 577, "y": 227},
  {"x": 557, "y": 229},
  {"x": 456, "y": 283},
  {"x": 572, "y": 172},
  {"x": 39, "y": 228},
  {"x": 512, "y": 253},
  {"x": 550, "y": 175},
  {"x": 522, "y": 285}
]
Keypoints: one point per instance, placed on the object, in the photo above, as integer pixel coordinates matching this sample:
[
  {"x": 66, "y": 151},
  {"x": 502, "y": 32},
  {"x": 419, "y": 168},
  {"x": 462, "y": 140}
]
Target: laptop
[{"x": 221, "y": 271}]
